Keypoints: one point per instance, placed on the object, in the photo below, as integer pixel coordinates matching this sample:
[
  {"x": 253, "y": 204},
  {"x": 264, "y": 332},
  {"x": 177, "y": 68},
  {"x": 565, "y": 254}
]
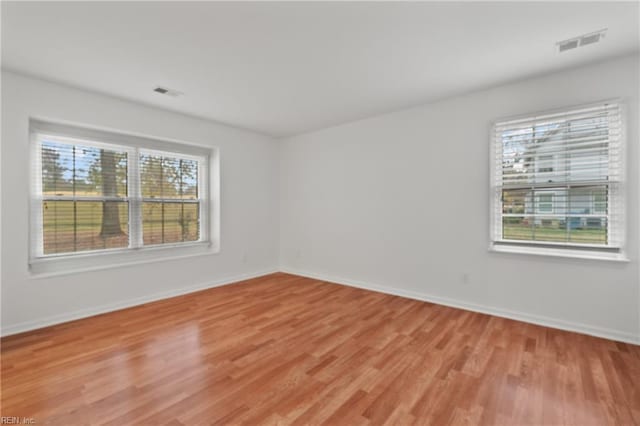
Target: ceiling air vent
[
  {"x": 580, "y": 41},
  {"x": 567, "y": 45},
  {"x": 168, "y": 92},
  {"x": 589, "y": 39}
]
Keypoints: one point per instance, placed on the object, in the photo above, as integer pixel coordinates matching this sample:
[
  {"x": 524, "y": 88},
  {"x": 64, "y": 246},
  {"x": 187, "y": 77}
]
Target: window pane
[
  {"x": 57, "y": 160},
  {"x": 76, "y": 170},
  {"x": 560, "y": 150},
  {"x": 516, "y": 163},
  {"x": 170, "y": 182},
  {"x": 169, "y": 178},
  {"x": 600, "y": 201},
  {"x": 170, "y": 222},
  {"x": 575, "y": 229},
  {"x": 152, "y": 223},
  {"x": 73, "y": 226},
  {"x": 165, "y": 177},
  {"x": 575, "y": 215},
  {"x": 550, "y": 229},
  {"x": 515, "y": 200},
  {"x": 532, "y": 228},
  {"x": 517, "y": 228},
  {"x": 588, "y": 200},
  {"x": 190, "y": 221},
  {"x": 588, "y": 150},
  {"x": 189, "y": 176},
  {"x": 588, "y": 230},
  {"x": 151, "y": 176},
  {"x": 558, "y": 201}
]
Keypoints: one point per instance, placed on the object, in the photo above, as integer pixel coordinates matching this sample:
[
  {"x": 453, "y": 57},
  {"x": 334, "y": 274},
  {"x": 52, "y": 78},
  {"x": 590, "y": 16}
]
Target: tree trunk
[{"x": 110, "y": 214}]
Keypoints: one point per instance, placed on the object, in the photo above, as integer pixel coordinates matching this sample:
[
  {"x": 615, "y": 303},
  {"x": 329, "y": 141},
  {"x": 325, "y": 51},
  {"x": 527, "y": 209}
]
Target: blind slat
[{"x": 612, "y": 109}]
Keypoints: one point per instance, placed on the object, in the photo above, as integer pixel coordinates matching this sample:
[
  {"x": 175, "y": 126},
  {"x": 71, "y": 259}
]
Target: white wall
[
  {"x": 249, "y": 208},
  {"x": 397, "y": 202},
  {"x": 400, "y": 202}
]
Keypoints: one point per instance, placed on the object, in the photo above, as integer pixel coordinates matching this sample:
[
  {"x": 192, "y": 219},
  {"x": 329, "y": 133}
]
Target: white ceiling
[{"x": 288, "y": 68}]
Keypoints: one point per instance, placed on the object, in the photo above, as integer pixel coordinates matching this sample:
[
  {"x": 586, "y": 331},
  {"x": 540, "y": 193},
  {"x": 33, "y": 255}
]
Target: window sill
[
  {"x": 64, "y": 265},
  {"x": 559, "y": 252}
]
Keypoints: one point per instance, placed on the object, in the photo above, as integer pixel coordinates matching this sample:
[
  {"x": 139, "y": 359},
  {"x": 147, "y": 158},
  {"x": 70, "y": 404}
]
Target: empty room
[{"x": 320, "y": 213}]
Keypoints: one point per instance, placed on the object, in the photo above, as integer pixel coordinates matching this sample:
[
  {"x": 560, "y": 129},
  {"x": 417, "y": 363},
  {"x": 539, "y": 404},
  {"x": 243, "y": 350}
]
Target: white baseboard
[
  {"x": 489, "y": 310},
  {"x": 499, "y": 312},
  {"x": 109, "y": 307}
]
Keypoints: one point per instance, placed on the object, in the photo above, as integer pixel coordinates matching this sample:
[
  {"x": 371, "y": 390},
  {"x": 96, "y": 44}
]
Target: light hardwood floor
[{"x": 283, "y": 349}]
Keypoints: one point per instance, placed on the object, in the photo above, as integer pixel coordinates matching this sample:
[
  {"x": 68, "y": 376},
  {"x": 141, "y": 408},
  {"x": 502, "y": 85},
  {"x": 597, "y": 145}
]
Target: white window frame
[
  {"x": 615, "y": 252},
  {"x": 208, "y": 196},
  {"x": 138, "y": 199}
]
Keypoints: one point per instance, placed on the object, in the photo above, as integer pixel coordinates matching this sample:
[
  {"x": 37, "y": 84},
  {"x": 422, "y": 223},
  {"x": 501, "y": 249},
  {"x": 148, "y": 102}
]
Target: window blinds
[
  {"x": 91, "y": 195},
  {"x": 557, "y": 178},
  {"x": 84, "y": 203},
  {"x": 170, "y": 203}
]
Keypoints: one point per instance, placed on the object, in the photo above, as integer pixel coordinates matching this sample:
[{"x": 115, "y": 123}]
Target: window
[
  {"x": 97, "y": 192},
  {"x": 556, "y": 182},
  {"x": 170, "y": 199},
  {"x": 545, "y": 163},
  {"x": 84, "y": 199},
  {"x": 545, "y": 203}
]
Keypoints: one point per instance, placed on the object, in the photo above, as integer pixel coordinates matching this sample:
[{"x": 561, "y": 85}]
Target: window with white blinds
[
  {"x": 557, "y": 180},
  {"x": 84, "y": 203},
  {"x": 96, "y": 192},
  {"x": 170, "y": 198}
]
